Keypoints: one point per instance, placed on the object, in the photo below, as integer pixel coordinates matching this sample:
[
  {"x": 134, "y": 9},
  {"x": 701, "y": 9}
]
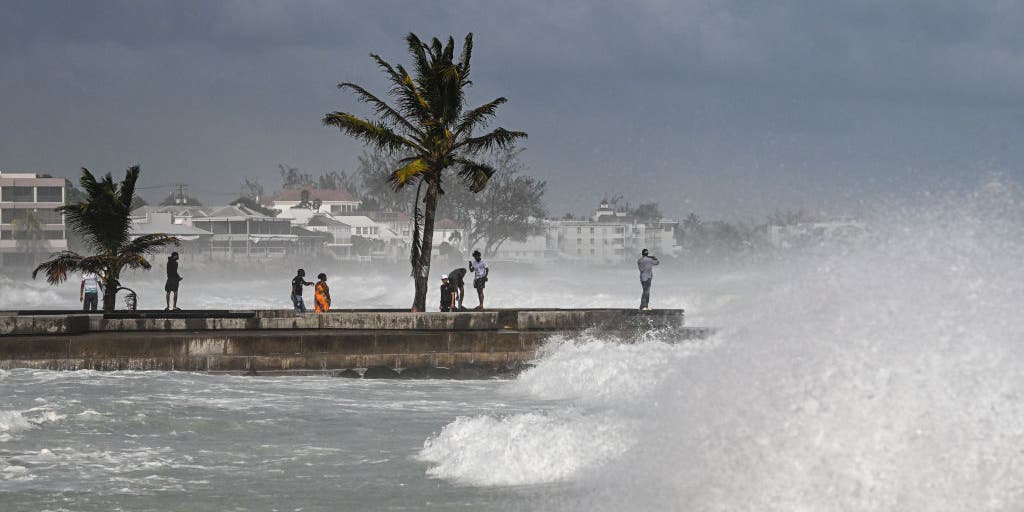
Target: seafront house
[
  {"x": 227, "y": 232},
  {"x": 29, "y": 224},
  {"x": 335, "y": 202}
]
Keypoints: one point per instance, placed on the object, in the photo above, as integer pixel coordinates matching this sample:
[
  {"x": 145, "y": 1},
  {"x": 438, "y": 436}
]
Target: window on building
[
  {"x": 49, "y": 194},
  {"x": 10, "y": 215},
  {"x": 238, "y": 227},
  {"x": 591, "y": 241},
  {"x": 579, "y": 241},
  {"x": 219, "y": 227},
  {"x": 591, "y": 231},
  {"x": 48, "y": 216},
  {"x": 579, "y": 251},
  {"x": 17, "y": 194},
  {"x": 591, "y": 252}
]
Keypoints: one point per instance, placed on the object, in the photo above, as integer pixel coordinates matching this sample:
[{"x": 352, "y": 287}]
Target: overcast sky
[{"x": 731, "y": 109}]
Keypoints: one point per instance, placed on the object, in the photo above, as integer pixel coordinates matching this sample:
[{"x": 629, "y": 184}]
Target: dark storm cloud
[{"x": 729, "y": 108}]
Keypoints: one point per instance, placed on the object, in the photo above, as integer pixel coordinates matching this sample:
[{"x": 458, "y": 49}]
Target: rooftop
[{"x": 324, "y": 195}]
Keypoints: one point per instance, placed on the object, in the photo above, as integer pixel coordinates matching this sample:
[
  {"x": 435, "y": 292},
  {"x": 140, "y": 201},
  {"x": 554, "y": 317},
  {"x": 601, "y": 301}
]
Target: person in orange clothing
[{"x": 322, "y": 294}]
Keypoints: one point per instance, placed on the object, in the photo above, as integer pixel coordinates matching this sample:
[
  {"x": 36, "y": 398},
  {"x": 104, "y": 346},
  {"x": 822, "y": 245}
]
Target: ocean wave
[
  {"x": 594, "y": 368},
  {"x": 523, "y": 449}
]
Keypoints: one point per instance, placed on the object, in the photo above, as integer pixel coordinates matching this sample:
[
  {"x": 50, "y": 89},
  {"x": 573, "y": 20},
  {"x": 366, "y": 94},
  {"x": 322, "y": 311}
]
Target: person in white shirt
[
  {"x": 480, "y": 271},
  {"x": 646, "y": 264},
  {"x": 89, "y": 292}
]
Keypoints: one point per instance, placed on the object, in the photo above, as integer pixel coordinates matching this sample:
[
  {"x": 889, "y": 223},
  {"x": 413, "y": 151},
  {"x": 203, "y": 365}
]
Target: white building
[
  {"x": 335, "y": 202},
  {"x": 610, "y": 236},
  {"x": 228, "y": 231},
  {"x": 29, "y": 223}
]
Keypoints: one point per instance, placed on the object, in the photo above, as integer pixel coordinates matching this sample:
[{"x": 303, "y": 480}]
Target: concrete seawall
[{"x": 348, "y": 343}]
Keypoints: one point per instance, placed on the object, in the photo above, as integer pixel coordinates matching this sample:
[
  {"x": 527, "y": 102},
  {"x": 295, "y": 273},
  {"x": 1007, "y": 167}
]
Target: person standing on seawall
[
  {"x": 448, "y": 294},
  {"x": 297, "y": 283},
  {"x": 480, "y": 272},
  {"x": 646, "y": 264},
  {"x": 89, "y": 292},
  {"x": 173, "y": 279},
  {"x": 322, "y": 294}
]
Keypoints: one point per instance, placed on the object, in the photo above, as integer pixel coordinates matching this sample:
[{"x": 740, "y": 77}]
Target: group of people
[
  {"x": 321, "y": 292},
  {"x": 92, "y": 287},
  {"x": 453, "y": 289},
  {"x": 452, "y": 286}
]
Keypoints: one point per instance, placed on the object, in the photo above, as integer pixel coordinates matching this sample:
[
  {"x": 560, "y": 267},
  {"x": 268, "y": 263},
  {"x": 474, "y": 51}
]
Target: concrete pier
[{"x": 378, "y": 343}]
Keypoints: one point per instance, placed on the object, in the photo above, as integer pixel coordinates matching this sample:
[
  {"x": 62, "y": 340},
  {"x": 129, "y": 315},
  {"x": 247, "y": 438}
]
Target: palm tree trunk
[
  {"x": 110, "y": 291},
  {"x": 422, "y": 268}
]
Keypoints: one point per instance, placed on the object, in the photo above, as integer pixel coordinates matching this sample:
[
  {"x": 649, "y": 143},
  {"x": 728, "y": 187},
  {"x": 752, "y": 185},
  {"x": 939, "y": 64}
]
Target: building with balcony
[
  {"x": 29, "y": 225},
  {"x": 335, "y": 202},
  {"x": 227, "y": 231}
]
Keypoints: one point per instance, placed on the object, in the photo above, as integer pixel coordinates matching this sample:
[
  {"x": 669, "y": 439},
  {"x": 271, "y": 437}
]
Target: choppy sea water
[
  {"x": 877, "y": 374},
  {"x": 176, "y": 441}
]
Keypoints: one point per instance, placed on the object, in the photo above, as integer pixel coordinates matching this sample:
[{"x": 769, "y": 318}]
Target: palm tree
[
  {"x": 102, "y": 220},
  {"x": 431, "y": 130},
  {"x": 29, "y": 233}
]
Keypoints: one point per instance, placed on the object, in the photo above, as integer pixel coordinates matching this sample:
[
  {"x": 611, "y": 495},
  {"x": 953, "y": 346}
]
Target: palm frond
[
  {"x": 382, "y": 109},
  {"x": 375, "y": 134},
  {"x": 479, "y": 117},
  {"x": 467, "y": 54},
  {"x": 499, "y": 138},
  {"x": 408, "y": 173},
  {"x": 63, "y": 263},
  {"x": 418, "y": 50},
  {"x": 474, "y": 174},
  {"x": 134, "y": 260},
  {"x": 413, "y": 99},
  {"x": 148, "y": 244}
]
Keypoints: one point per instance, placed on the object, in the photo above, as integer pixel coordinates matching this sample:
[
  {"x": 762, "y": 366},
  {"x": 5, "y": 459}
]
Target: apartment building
[{"x": 29, "y": 225}]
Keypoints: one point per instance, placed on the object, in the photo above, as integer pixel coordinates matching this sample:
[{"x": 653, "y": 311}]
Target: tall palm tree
[
  {"x": 103, "y": 220},
  {"x": 429, "y": 127}
]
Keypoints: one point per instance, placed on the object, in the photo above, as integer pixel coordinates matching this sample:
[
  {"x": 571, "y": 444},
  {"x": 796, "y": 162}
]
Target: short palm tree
[
  {"x": 104, "y": 222},
  {"x": 429, "y": 127}
]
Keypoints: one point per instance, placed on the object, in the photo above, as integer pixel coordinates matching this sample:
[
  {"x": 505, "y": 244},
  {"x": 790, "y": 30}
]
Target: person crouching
[{"x": 322, "y": 294}]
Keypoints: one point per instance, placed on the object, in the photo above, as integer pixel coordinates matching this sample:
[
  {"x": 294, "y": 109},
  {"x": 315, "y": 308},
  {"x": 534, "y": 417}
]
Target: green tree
[
  {"x": 647, "y": 213},
  {"x": 338, "y": 180},
  {"x": 375, "y": 189},
  {"x": 511, "y": 208},
  {"x": 292, "y": 177},
  {"x": 103, "y": 219},
  {"x": 253, "y": 189},
  {"x": 431, "y": 129}
]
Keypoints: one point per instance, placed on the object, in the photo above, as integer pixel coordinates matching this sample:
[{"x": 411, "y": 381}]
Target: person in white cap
[{"x": 448, "y": 294}]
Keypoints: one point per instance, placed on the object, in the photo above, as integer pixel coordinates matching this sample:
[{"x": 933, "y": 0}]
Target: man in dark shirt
[
  {"x": 447, "y": 294},
  {"x": 297, "y": 283},
  {"x": 457, "y": 279},
  {"x": 173, "y": 279}
]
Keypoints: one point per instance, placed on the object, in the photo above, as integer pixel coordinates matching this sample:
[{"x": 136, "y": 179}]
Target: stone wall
[{"x": 276, "y": 342}]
